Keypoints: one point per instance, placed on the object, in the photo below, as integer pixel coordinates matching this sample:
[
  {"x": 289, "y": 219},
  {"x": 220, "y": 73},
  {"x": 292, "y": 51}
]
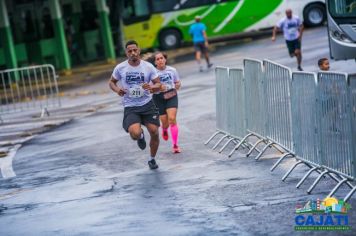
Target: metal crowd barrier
[
  {"x": 335, "y": 130},
  {"x": 237, "y": 102},
  {"x": 352, "y": 94},
  {"x": 235, "y": 98},
  {"x": 305, "y": 120},
  {"x": 312, "y": 117},
  {"x": 253, "y": 107},
  {"x": 33, "y": 87},
  {"x": 323, "y": 132},
  {"x": 222, "y": 77},
  {"x": 318, "y": 106},
  {"x": 230, "y": 102},
  {"x": 255, "y": 96},
  {"x": 277, "y": 89},
  {"x": 307, "y": 145}
]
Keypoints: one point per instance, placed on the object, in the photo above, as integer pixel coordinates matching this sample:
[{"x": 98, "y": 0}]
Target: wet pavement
[{"x": 84, "y": 176}]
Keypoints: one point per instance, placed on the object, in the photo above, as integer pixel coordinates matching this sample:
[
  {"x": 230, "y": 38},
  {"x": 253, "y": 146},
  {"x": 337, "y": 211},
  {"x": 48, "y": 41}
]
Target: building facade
[{"x": 59, "y": 32}]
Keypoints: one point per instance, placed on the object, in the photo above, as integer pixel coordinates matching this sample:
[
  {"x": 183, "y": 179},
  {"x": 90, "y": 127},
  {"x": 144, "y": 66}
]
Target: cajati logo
[{"x": 329, "y": 214}]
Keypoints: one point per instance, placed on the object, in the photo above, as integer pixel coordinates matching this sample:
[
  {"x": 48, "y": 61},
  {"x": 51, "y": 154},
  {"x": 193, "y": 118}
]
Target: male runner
[
  {"x": 293, "y": 31},
  {"x": 135, "y": 76}
]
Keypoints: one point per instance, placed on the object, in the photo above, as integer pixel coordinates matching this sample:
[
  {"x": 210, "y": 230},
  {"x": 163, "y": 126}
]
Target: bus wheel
[
  {"x": 170, "y": 39},
  {"x": 314, "y": 15}
]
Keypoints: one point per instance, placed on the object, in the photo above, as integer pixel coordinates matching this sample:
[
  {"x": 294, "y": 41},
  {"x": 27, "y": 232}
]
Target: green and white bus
[
  {"x": 165, "y": 23},
  {"x": 342, "y": 28}
]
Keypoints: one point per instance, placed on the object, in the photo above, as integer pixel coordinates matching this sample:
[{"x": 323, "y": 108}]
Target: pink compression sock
[{"x": 174, "y": 133}]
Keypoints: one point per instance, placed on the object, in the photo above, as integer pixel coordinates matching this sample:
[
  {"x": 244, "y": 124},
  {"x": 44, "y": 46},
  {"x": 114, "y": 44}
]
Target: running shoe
[
  {"x": 142, "y": 142},
  {"x": 210, "y": 65},
  {"x": 165, "y": 135},
  {"x": 176, "y": 149},
  {"x": 300, "y": 68},
  {"x": 152, "y": 164}
]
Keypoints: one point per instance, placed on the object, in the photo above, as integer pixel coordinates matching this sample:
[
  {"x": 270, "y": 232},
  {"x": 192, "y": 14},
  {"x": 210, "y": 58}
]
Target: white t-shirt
[
  {"x": 290, "y": 27},
  {"x": 168, "y": 77},
  {"x": 131, "y": 79}
]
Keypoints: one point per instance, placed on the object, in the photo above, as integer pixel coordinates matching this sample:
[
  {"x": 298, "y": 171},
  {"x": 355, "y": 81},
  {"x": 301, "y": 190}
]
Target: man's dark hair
[
  {"x": 130, "y": 42},
  {"x": 321, "y": 61}
]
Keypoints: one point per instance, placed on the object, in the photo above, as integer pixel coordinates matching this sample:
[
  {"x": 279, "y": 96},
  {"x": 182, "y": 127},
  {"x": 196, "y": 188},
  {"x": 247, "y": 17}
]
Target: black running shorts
[
  {"x": 164, "y": 104},
  {"x": 147, "y": 113},
  {"x": 293, "y": 45},
  {"x": 200, "y": 47}
]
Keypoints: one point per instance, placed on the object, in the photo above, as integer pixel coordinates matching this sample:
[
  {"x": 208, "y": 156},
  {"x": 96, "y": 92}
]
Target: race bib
[
  {"x": 292, "y": 31},
  {"x": 136, "y": 92}
]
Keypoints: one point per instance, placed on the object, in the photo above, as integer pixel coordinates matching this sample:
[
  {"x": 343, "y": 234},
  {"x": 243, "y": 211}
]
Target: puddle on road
[{"x": 6, "y": 163}]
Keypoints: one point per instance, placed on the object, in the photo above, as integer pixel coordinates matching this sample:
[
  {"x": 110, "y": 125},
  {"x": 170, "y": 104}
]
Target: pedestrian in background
[
  {"x": 324, "y": 64},
  {"x": 137, "y": 78},
  {"x": 292, "y": 28},
  {"x": 167, "y": 99},
  {"x": 72, "y": 43},
  {"x": 200, "y": 40}
]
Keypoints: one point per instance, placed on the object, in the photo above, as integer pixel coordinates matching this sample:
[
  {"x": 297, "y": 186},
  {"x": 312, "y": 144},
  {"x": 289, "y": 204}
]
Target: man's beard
[{"x": 134, "y": 59}]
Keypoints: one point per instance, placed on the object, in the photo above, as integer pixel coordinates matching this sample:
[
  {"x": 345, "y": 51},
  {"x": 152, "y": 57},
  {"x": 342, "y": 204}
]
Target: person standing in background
[{"x": 324, "y": 64}]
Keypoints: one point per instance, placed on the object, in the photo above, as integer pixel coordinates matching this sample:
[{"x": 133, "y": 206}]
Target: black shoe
[
  {"x": 210, "y": 65},
  {"x": 142, "y": 142},
  {"x": 152, "y": 164},
  {"x": 300, "y": 68}
]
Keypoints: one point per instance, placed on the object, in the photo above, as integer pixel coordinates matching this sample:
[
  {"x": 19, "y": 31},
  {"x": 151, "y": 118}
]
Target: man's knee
[
  {"x": 135, "y": 133},
  {"x": 154, "y": 133}
]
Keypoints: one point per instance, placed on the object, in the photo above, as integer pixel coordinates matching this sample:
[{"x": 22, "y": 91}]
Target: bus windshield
[
  {"x": 134, "y": 9},
  {"x": 342, "y": 8}
]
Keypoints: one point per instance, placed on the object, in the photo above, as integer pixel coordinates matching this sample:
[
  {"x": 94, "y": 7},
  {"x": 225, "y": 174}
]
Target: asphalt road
[{"x": 86, "y": 177}]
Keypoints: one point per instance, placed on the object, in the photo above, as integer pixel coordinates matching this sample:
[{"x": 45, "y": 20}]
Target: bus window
[
  {"x": 163, "y": 5},
  {"x": 343, "y": 8},
  {"x": 135, "y": 11},
  {"x": 195, "y": 3}
]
